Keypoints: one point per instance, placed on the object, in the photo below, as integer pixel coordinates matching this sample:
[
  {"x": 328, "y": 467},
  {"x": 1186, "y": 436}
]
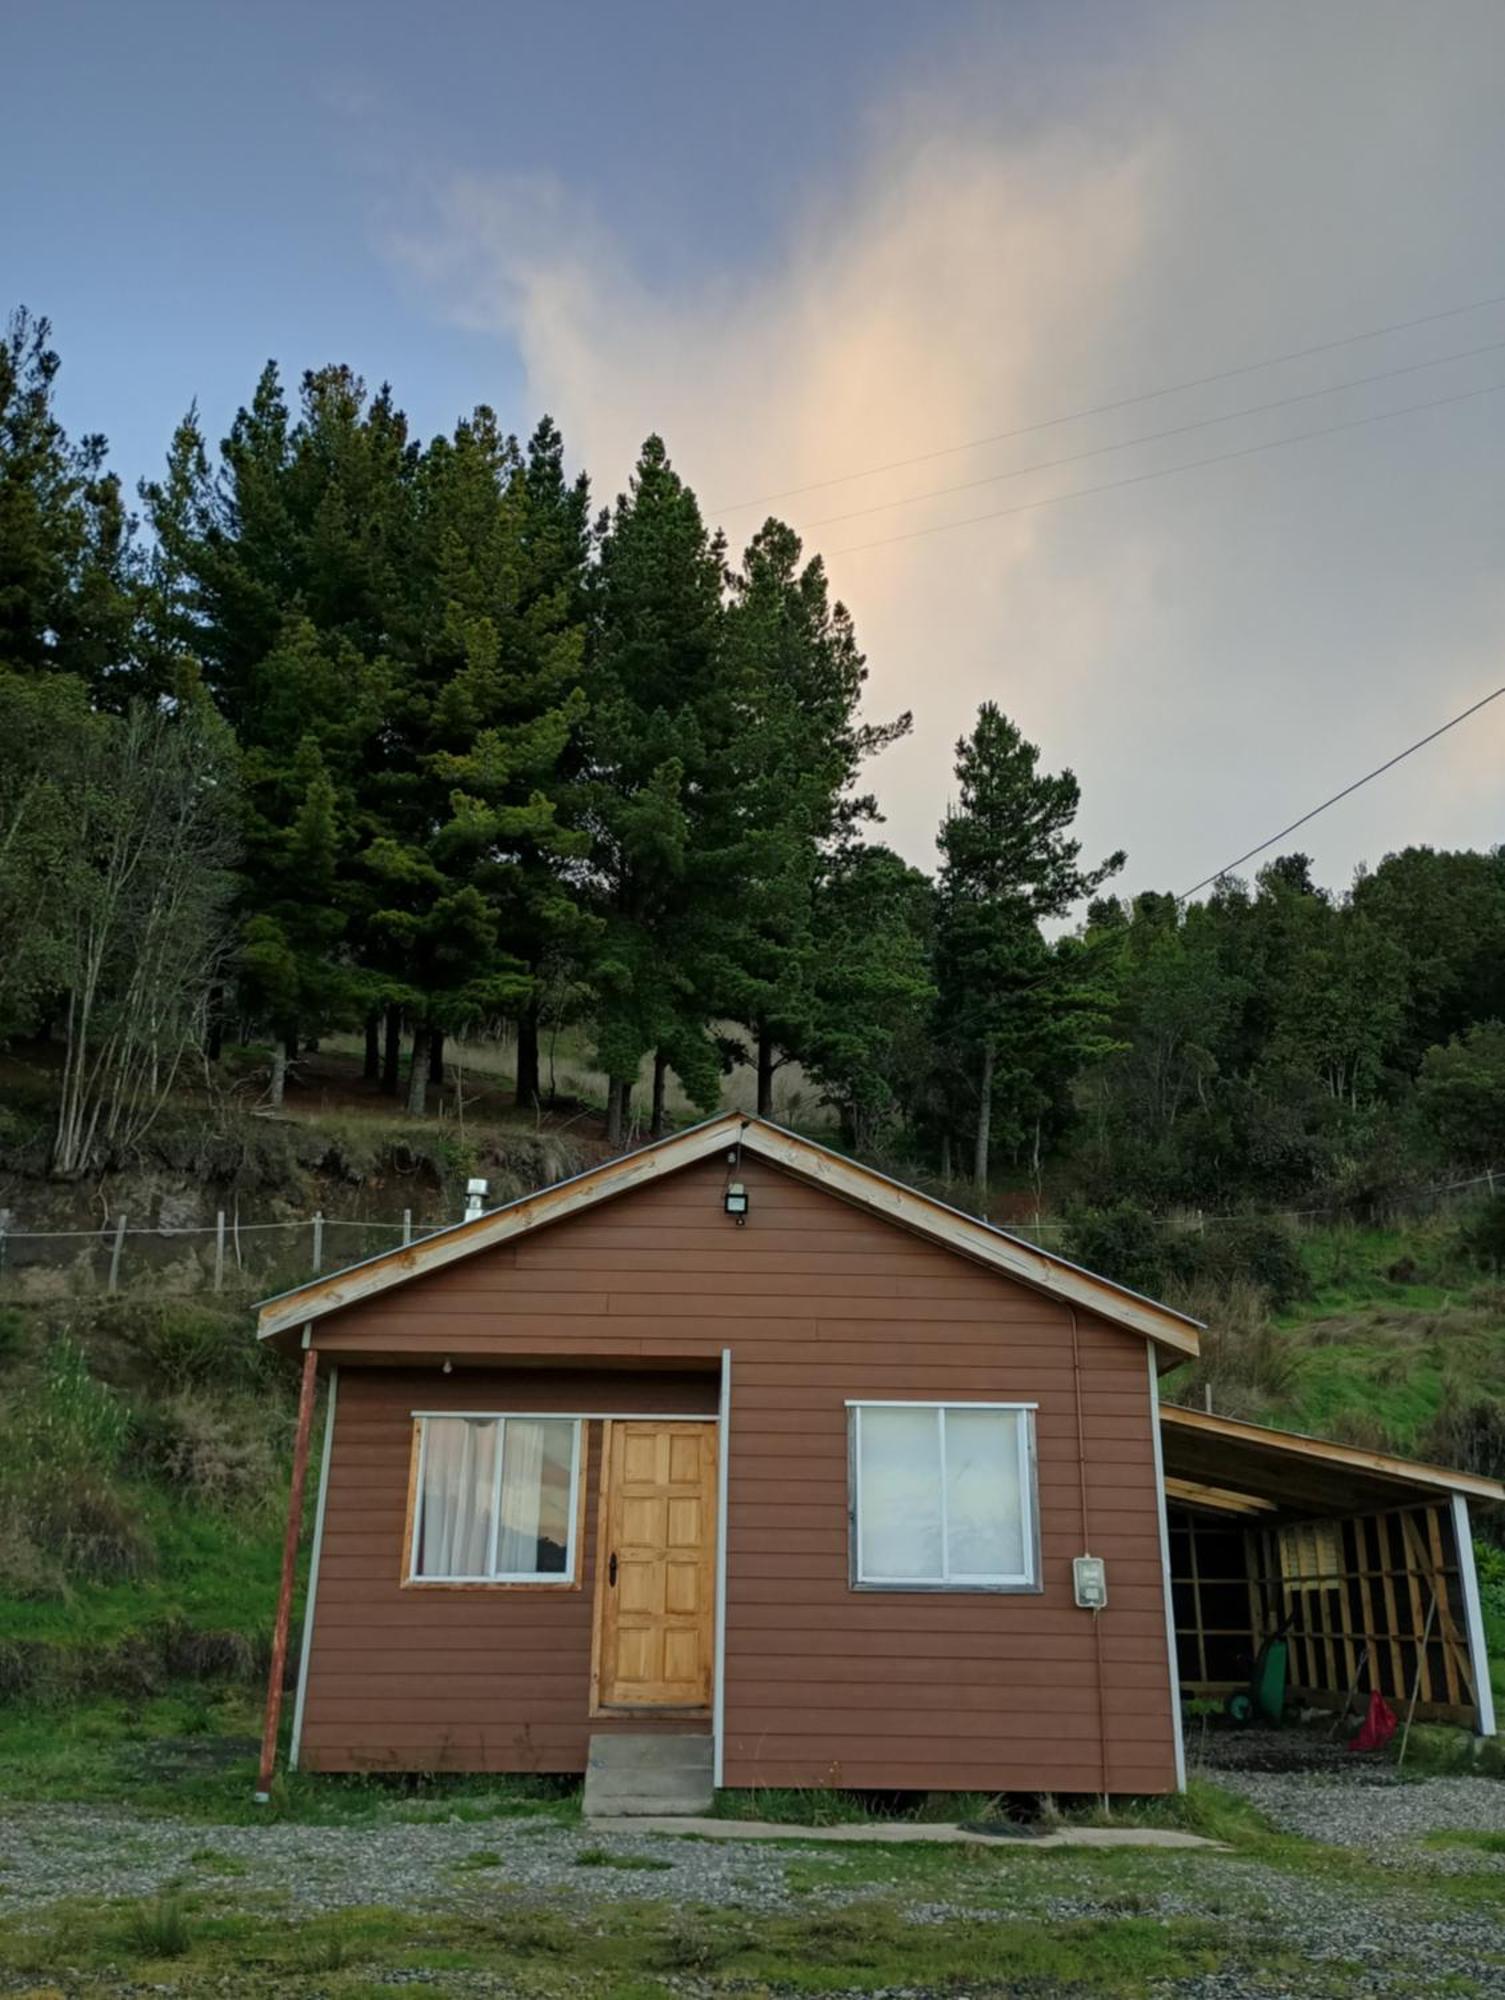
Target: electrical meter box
[{"x": 1089, "y": 1575}]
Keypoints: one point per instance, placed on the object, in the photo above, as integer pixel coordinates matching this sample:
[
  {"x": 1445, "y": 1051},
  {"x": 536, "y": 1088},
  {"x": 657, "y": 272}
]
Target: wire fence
[
  {"x": 229, "y": 1255},
  {"x": 238, "y": 1257},
  {"x": 1405, "y": 1202}
]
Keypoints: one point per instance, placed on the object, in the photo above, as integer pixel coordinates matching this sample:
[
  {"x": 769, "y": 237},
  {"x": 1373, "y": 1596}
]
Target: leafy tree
[
  {"x": 1015, "y": 1015},
  {"x": 1461, "y": 1092},
  {"x": 1445, "y": 914}
]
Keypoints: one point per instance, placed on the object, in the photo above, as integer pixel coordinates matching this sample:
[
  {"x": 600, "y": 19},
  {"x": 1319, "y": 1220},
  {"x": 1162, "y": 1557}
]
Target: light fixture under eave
[
  {"x": 448, "y": 1368},
  {"x": 735, "y": 1201}
]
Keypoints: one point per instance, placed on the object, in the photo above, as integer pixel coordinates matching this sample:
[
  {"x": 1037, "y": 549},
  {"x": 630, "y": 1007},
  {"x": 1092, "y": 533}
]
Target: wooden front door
[{"x": 655, "y": 1567}]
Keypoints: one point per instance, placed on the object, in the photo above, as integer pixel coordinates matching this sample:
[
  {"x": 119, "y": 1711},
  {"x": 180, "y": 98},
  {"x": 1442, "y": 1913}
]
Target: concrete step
[{"x": 659, "y": 1775}]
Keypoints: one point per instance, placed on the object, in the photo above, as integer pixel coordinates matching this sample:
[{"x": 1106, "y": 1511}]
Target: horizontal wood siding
[{"x": 819, "y": 1303}]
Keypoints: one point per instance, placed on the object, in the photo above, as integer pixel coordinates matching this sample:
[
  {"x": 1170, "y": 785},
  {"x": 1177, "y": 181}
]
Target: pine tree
[
  {"x": 1014, "y": 1015},
  {"x": 657, "y": 787},
  {"x": 791, "y": 664},
  {"x": 69, "y": 570}
]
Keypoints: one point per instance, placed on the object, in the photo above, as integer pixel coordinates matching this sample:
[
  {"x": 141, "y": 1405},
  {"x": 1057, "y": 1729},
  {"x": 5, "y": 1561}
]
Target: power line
[
  {"x": 1346, "y": 792},
  {"x": 1154, "y": 437},
  {"x": 1120, "y": 403},
  {"x": 1167, "y": 471}
]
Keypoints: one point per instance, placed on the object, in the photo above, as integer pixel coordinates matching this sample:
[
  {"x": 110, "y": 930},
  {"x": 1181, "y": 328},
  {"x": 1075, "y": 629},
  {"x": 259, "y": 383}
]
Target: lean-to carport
[{"x": 1365, "y": 1560}]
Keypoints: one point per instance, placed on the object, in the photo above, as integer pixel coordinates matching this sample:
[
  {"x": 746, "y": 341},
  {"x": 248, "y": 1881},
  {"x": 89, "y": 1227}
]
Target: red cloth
[{"x": 1377, "y": 1727}]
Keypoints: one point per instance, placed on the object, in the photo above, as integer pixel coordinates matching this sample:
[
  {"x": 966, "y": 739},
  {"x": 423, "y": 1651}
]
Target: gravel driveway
[{"x": 1341, "y": 1935}]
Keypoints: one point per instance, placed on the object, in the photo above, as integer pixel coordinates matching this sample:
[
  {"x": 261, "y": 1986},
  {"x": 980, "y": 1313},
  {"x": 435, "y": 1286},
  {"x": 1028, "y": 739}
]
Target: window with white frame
[
  {"x": 943, "y": 1496},
  {"x": 496, "y": 1500}
]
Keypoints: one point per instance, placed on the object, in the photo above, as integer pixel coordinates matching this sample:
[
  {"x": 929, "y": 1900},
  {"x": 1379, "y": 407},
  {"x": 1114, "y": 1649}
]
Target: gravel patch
[
  {"x": 1388, "y": 1819},
  {"x": 48, "y": 1853}
]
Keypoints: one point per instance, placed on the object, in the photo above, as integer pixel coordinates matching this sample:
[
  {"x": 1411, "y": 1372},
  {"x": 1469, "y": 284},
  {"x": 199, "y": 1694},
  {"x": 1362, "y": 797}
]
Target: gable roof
[{"x": 919, "y": 1213}]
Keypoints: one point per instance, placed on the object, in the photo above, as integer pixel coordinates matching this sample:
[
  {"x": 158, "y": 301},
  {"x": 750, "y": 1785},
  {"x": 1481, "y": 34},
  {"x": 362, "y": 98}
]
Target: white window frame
[
  {"x": 534, "y": 1579},
  {"x": 1028, "y": 1580}
]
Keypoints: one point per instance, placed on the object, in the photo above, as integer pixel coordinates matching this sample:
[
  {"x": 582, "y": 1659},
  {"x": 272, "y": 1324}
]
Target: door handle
[{"x": 611, "y": 1570}]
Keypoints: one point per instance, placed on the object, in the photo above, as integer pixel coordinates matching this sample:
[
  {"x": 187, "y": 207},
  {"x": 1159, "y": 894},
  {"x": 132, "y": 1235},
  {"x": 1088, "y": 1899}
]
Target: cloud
[{"x": 1212, "y": 651}]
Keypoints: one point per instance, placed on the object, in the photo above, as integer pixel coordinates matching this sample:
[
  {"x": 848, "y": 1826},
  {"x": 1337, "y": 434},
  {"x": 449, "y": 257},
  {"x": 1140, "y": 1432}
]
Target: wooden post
[
  {"x": 318, "y": 1241},
  {"x": 115, "y": 1249},
  {"x": 219, "y": 1250},
  {"x": 407, "y": 1227},
  {"x": 1421, "y": 1661},
  {"x": 277, "y": 1671}
]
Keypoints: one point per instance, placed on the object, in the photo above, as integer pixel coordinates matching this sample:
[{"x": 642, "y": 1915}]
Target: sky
[{"x": 824, "y": 249}]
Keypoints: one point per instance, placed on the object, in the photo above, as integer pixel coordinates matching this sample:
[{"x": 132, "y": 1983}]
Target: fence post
[
  {"x": 407, "y": 1227},
  {"x": 115, "y": 1249},
  {"x": 318, "y": 1241},
  {"x": 219, "y": 1250}
]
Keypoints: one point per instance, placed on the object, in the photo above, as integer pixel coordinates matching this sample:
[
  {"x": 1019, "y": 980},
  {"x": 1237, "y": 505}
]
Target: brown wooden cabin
[{"x": 737, "y": 1437}]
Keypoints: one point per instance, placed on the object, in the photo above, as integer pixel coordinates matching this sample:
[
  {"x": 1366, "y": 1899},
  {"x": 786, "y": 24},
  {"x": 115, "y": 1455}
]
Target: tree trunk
[
  {"x": 372, "y": 1070},
  {"x": 214, "y": 1039},
  {"x": 278, "y": 1084},
  {"x": 765, "y": 1073},
  {"x": 436, "y": 1057},
  {"x": 418, "y": 1072},
  {"x": 660, "y": 1076},
  {"x": 526, "y": 1094},
  {"x": 946, "y": 1166},
  {"x": 984, "y": 1120},
  {"x": 618, "y": 1108},
  {"x": 392, "y": 1054}
]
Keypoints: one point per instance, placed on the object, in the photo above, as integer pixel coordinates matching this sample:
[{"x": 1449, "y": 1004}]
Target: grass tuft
[{"x": 159, "y": 1929}]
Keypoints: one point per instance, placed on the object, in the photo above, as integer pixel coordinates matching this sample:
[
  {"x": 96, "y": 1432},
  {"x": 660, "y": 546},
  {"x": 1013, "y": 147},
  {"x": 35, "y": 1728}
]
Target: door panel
[{"x": 655, "y": 1604}]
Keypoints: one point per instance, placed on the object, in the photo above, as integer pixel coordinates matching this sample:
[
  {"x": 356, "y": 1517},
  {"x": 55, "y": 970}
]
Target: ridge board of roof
[
  {"x": 1419, "y": 1472},
  {"x": 806, "y": 1159}
]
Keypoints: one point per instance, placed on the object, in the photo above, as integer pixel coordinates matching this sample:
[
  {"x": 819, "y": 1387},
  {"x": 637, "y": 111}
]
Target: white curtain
[
  {"x": 459, "y": 1484},
  {"x": 899, "y": 1515},
  {"x": 984, "y": 1505},
  {"x": 522, "y": 1497}
]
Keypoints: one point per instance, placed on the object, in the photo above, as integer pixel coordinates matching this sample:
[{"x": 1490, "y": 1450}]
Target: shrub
[
  {"x": 1157, "y": 1255},
  {"x": 1250, "y": 1249},
  {"x": 66, "y": 1513},
  {"x": 1246, "y": 1362},
  {"x": 194, "y": 1346},
  {"x": 1121, "y": 1241},
  {"x": 218, "y": 1451},
  {"x": 12, "y": 1334},
  {"x": 1468, "y": 1432},
  {"x": 1483, "y": 1235}
]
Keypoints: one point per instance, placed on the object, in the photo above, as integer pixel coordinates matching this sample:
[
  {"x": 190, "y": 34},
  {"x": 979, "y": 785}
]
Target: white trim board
[
  {"x": 735, "y": 1134},
  {"x": 305, "y": 1649},
  {"x": 1478, "y": 1653},
  {"x": 718, "y": 1668},
  {"x": 1173, "y": 1660}
]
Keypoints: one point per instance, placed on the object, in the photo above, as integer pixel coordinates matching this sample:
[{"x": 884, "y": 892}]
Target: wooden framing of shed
[{"x": 1364, "y": 1560}]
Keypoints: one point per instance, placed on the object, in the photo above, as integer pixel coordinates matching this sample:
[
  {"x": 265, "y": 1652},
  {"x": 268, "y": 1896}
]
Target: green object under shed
[{"x": 1266, "y": 1696}]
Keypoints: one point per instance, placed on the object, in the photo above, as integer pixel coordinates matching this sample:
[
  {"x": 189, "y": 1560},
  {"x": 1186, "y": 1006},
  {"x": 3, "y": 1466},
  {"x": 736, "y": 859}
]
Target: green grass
[
  {"x": 192, "y": 1751},
  {"x": 830, "y": 1806},
  {"x": 605, "y": 1857},
  {"x": 865, "y": 1947},
  {"x": 1462, "y": 1836},
  {"x": 213, "y": 1573}
]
